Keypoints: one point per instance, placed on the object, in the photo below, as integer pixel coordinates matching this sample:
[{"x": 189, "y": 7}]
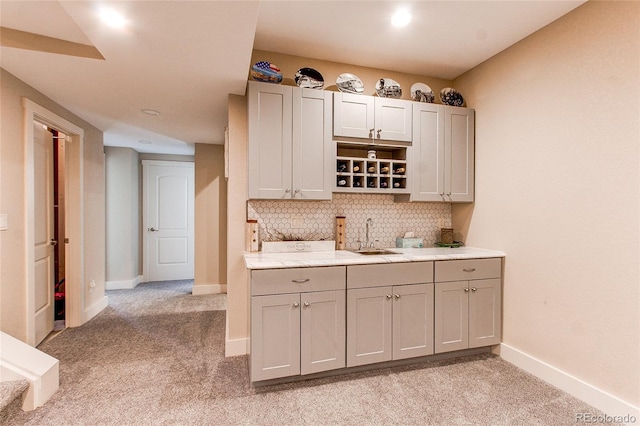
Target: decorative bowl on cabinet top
[
  {"x": 450, "y": 96},
  {"x": 309, "y": 78},
  {"x": 420, "y": 92},
  {"x": 350, "y": 83},
  {"x": 266, "y": 71},
  {"x": 388, "y": 88}
]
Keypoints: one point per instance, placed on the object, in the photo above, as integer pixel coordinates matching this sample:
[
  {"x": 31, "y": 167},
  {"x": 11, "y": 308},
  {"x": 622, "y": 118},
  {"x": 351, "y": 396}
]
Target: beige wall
[
  {"x": 237, "y": 288},
  {"x": 210, "y": 218},
  {"x": 122, "y": 214},
  {"x": 557, "y": 177},
  {"x": 330, "y": 71},
  {"x": 12, "y": 202}
]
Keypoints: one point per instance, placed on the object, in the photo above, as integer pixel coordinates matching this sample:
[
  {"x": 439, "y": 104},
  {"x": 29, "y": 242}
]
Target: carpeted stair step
[{"x": 11, "y": 398}]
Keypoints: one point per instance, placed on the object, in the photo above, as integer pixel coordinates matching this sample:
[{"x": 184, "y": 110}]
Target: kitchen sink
[{"x": 373, "y": 251}]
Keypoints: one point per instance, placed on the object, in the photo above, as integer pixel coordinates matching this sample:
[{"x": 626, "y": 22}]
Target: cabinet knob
[
  {"x": 307, "y": 304},
  {"x": 397, "y": 296},
  {"x": 388, "y": 296},
  {"x": 296, "y": 304},
  {"x": 474, "y": 289},
  {"x": 466, "y": 290}
]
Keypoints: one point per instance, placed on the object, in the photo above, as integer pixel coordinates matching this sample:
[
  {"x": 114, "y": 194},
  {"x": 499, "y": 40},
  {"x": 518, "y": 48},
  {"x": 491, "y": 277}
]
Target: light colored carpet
[{"x": 155, "y": 356}]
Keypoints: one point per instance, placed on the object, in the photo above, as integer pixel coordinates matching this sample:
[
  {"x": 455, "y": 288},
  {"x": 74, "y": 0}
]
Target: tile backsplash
[{"x": 314, "y": 220}]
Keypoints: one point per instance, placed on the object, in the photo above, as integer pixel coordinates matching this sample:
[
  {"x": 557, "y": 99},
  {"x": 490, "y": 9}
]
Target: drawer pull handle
[
  {"x": 302, "y": 281},
  {"x": 469, "y": 269}
]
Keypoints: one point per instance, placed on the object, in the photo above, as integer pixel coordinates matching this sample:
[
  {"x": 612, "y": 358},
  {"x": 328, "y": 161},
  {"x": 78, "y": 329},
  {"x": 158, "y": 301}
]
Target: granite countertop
[{"x": 258, "y": 260}]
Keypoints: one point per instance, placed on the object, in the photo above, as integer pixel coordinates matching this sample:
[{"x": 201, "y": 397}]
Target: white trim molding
[
  {"x": 96, "y": 308},
  {"x": 598, "y": 398},
  {"x": 19, "y": 360},
  {"x": 123, "y": 284},
  {"x": 199, "y": 289},
  {"x": 235, "y": 347},
  {"x": 74, "y": 219}
]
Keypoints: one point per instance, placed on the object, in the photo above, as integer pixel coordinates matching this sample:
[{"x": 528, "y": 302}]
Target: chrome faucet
[{"x": 368, "y": 224}]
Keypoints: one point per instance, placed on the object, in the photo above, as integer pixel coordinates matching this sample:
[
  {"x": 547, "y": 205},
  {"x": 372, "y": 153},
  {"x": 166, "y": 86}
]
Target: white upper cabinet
[
  {"x": 442, "y": 153},
  {"x": 290, "y": 144},
  {"x": 370, "y": 117},
  {"x": 459, "y": 136}
]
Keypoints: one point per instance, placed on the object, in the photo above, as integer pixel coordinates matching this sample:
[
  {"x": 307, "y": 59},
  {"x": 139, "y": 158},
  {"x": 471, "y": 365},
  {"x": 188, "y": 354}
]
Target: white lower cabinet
[
  {"x": 297, "y": 321},
  {"x": 310, "y": 320},
  {"x": 389, "y": 322},
  {"x": 467, "y": 304}
]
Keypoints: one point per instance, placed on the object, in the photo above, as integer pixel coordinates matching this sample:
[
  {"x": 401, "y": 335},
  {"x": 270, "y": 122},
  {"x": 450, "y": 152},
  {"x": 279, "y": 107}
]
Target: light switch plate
[{"x": 4, "y": 222}]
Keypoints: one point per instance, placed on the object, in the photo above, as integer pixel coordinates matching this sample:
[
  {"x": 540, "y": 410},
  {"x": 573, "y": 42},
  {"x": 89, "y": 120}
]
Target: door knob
[
  {"x": 53, "y": 242},
  {"x": 152, "y": 229}
]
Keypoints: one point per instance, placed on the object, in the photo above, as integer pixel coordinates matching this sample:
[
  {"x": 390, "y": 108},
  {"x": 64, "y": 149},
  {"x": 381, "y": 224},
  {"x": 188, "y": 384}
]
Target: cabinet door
[
  {"x": 427, "y": 153},
  {"x": 484, "y": 312},
  {"x": 412, "y": 320},
  {"x": 451, "y": 331},
  {"x": 313, "y": 150},
  {"x": 269, "y": 156},
  {"x": 459, "y": 154},
  {"x": 368, "y": 325},
  {"x": 275, "y": 336},
  {"x": 393, "y": 119},
  {"x": 353, "y": 115},
  {"x": 323, "y": 328}
]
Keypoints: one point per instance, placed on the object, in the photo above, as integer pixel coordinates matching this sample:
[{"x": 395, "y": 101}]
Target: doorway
[
  {"x": 73, "y": 235},
  {"x": 59, "y": 141},
  {"x": 168, "y": 220}
]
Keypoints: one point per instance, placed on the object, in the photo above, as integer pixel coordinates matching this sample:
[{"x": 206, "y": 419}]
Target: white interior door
[
  {"x": 43, "y": 232},
  {"x": 168, "y": 213}
]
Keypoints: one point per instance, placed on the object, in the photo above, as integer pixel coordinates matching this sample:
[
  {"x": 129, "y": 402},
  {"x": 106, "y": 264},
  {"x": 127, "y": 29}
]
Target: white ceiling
[{"x": 183, "y": 58}]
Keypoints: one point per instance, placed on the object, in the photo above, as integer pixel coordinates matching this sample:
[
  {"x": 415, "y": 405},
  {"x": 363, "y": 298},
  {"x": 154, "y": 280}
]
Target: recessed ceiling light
[
  {"x": 145, "y": 142},
  {"x": 401, "y": 18},
  {"x": 150, "y": 111},
  {"x": 112, "y": 18}
]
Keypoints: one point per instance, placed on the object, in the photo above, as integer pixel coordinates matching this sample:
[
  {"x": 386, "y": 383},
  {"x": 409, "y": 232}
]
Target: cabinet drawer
[
  {"x": 360, "y": 276},
  {"x": 471, "y": 269},
  {"x": 297, "y": 280}
]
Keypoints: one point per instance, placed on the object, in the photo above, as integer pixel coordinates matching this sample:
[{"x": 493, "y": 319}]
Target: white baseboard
[
  {"x": 234, "y": 347},
  {"x": 95, "y": 309},
  {"x": 199, "y": 289},
  {"x": 124, "y": 284},
  {"x": 603, "y": 401}
]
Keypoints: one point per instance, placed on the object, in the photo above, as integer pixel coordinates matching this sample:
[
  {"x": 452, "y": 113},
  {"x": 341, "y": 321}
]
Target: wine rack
[{"x": 357, "y": 173}]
